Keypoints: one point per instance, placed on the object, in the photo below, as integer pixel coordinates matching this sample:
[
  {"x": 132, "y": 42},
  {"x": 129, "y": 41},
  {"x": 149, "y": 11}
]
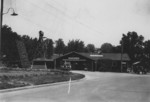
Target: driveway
[{"x": 96, "y": 87}]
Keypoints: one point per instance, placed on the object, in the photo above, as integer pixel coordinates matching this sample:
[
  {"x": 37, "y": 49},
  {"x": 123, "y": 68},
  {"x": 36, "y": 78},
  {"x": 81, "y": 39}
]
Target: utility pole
[
  {"x": 121, "y": 54},
  {"x": 1, "y": 22}
]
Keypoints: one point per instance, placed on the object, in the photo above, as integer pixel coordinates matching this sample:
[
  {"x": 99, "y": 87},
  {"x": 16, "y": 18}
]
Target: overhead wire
[
  {"x": 77, "y": 21},
  {"x": 58, "y": 25},
  {"x": 49, "y": 13},
  {"x": 39, "y": 25},
  {"x": 32, "y": 22},
  {"x": 59, "y": 4},
  {"x": 71, "y": 18},
  {"x": 55, "y": 15}
]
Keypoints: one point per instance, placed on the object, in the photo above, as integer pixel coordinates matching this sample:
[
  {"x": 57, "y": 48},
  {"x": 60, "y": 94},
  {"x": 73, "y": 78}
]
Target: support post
[
  {"x": 95, "y": 65},
  {"x": 55, "y": 64},
  {"x": 92, "y": 66},
  {"x": 121, "y": 54}
]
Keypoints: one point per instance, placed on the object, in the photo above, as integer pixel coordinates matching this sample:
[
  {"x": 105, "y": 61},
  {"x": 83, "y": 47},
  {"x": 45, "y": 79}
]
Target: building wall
[
  {"x": 111, "y": 66},
  {"x": 77, "y": 61},
  {"x": 81, "y": 62}
]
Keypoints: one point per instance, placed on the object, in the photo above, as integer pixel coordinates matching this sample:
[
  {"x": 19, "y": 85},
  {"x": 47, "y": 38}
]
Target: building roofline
[{"x": 76, "y": 53}]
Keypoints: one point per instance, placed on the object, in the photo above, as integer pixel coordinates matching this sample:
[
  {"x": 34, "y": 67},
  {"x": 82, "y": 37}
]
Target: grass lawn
[{"x": 20, "y": 78}]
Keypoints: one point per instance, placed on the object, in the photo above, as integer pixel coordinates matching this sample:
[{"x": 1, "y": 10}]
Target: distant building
[{"x": 91, "y": 62}]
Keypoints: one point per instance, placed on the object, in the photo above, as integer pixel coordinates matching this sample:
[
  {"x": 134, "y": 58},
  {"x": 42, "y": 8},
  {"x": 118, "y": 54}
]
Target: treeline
[{"x": 130, "y": 43}]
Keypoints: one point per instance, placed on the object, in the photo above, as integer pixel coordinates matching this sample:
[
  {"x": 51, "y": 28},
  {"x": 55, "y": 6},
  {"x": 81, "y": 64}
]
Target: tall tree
[
  {"x": 60, "y": 46},
  {"x": 30, "y": 45},
  {"x": 106, "y": 48},
  {"x": 132, "y": 44},
  {"x": 9, "y": 46},
  {"x": 75, "y": 45},
  {"x": 90, "y": 48},
  {"x": 147, "y": 54},
  {"x": 117, "y": 49},
  {"x": 49, "y": 48},
  {"x": 147, "y": 49}
]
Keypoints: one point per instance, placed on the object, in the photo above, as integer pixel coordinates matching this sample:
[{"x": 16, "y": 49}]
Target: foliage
[
  {"x": 106, "y": 48},
  {"x": 132, "y": 44},
  {"x": 147, "y": 54},
  {"x": 116, "y": 49},
  {"x": 147, "y": 49},
  {"x": 9, "y": 47},
  {"x": 90, "y": 48},
  {"x": 60, "y": 46},
  {"x": 50, "y": 48},
  {"x": 30, "y": 45},
  {"x": 75, "y": 45}
]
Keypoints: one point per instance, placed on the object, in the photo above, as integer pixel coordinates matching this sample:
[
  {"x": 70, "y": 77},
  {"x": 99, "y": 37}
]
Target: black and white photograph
[{"x": 74, "y": 50}]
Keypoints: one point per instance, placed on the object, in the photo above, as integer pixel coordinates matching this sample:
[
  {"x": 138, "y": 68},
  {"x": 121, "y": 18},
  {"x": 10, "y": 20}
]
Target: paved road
[{"x": 96, "y": 87}]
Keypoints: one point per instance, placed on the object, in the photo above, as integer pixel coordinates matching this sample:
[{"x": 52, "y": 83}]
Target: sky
[{"x": 92, "y": 21}]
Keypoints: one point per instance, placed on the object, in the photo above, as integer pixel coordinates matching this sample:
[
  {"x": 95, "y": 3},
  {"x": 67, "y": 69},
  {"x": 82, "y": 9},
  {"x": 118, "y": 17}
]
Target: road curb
[{"x": 37, "y": 86}]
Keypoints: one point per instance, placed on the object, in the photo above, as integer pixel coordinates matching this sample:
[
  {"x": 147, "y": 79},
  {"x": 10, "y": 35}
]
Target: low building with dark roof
[{"x": 91, "y": 62}]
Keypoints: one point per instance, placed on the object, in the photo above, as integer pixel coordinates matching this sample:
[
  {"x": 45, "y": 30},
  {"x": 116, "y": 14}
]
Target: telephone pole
[
  {"x": 1, "y": 22},
  {"x": 121, "y": 54}
]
